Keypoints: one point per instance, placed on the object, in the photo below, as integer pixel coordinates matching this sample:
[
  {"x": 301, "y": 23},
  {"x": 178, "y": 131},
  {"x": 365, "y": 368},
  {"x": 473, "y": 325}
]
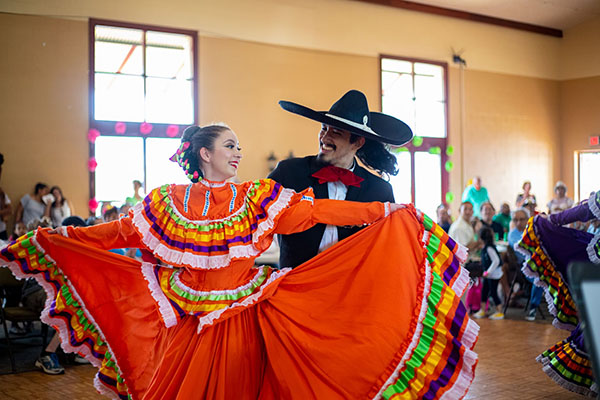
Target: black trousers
[{"x": 490, "y": 289}]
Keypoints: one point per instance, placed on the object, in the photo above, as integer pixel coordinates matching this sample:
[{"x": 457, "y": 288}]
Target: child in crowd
[
  {"x": 20, "y": 230},
  {"x": 492, "y": 272}
]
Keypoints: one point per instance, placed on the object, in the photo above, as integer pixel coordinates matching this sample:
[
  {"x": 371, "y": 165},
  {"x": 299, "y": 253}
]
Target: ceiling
[{"x": 557, "y": 14}]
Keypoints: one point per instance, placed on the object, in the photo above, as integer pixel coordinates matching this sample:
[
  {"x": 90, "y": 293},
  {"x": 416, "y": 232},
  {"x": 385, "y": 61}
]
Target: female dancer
[
  {"x": 549, "y": 247},
  {"x": 204, "y": 323}
]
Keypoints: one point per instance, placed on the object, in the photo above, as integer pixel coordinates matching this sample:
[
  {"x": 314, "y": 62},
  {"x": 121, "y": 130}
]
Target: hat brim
[{"x": 383, "y": 128}]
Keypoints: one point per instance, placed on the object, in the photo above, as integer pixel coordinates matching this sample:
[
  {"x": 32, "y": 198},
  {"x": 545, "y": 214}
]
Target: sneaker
[
  {"x": 531, "y": 315},
  {"x": 49, "y": 364},
  {"x": 16, "y": 329},
  {"x": 479, "y": 314},
  {"x": 497, "y": 315},
  {"x": 80, "y": 360}
]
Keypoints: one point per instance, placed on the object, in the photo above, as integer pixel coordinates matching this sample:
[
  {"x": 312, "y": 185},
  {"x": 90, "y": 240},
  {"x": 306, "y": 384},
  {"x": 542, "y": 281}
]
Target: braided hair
[
  {"x": 376, "y": 156},
  {"x": 194, "y": 138}
]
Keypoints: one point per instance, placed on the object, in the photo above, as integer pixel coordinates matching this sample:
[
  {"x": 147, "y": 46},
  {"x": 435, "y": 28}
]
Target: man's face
[
  {"x": 477, "y": 183},
  {"x": 520, "y": 220},
  {"x": 487, "y": 213},
  {"x": 335, "y": 147},
  {"x": 505, "y": 209},
  {"x": 466, "y": 210},
  {"x": 442, "y": 214}
]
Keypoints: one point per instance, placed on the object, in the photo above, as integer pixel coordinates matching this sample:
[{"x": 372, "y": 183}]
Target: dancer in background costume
[
  {"x": 549, "y": 247},
  {"x": 208, "y": 324}
]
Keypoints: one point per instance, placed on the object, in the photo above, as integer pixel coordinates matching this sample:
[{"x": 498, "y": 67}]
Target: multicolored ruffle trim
[
  {"x": 64, "y": 311},
  {"x": 439, "y": 360},
  {"x": 211, "y": 244},
  {"x": 540, "y": 267}
]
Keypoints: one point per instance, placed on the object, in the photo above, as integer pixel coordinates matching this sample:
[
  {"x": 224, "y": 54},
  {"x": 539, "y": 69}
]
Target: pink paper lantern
[
  {"x": 145, "y": 128},
  {"x": 93, "y": 205},
  {"x": 120, "y": 128},
  {"x": 93, "y": 135},
  {"x": 92, "y": 164},
  {"x": 172, "y": 130}
]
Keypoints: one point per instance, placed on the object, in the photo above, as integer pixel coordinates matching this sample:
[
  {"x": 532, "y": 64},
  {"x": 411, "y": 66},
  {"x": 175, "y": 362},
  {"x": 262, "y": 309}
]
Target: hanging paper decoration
[
  {"x": 172, "y": 130},
  {"x": 449, "y": 166},
  {"x": 449, "y": 197},
  {"x": 449, "y": 150},
  {"x": 145, "y": 128},
  {"x": 93, "y": 205},
  {"x": 417, "y": 141},
  {"x": 120, "y": 128},
  {"x": 92, "y": 164},
  {"x": 93, "y": 135},
  {"x": 435, "y": 150}
]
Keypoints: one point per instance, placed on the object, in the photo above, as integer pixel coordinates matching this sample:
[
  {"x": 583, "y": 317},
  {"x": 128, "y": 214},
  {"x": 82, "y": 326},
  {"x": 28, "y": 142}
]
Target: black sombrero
[{"x": 351, "y": 113}]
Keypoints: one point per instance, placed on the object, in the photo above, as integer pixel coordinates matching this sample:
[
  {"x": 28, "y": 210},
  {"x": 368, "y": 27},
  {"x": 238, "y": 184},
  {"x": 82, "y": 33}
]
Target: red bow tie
[{"x": 333, "y": 174}]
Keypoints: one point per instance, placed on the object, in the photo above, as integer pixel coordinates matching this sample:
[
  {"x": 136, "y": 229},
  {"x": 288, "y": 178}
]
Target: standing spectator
[
  {"x": 137, "y": 197},
  {"x": 32, "y": 208},
  {"x": 461, "y": 229},
  {"x": 5, "y": 208},
  {"x": 492, "y": 272},
  {"x": 476, "y": 195},
  {"x": 503, "y": 217},
  {"x": 443, "y": 217},
  {"x": 531, "y": 206},
  {"x": 560, "y": 202},
  {"x": 61, "y": 207},
  {"x": 487, "y": 212},
  {"x": 526, "y": 195}
]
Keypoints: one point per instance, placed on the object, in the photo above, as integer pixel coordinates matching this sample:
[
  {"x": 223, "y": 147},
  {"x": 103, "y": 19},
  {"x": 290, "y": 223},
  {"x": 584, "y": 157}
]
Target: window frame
[
  {"x": 107, "y": 128},
  {"x": 428, "y": 142}
]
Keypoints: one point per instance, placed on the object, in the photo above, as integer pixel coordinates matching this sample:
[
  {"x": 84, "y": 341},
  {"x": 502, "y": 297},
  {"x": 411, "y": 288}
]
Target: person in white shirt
[{"x": 462, "y": 231}]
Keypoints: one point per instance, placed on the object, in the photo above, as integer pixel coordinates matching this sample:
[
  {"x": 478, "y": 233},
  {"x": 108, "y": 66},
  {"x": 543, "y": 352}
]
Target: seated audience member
[
  {"x": 20, "y": 230},
  {"x": 112, "y": 214},
  {"x": 594, "y": 227},
  {"x": 124, "y": 209},
  {"x": 492, "y": 272},
  {"x": 560, "y": 201},
  {"x": 503, "y": 217},
  {"x": 90, "y": 221},
  {"x": 487, "y": 212},
  {"x": 531, "y": 207},
  {"x": 461, "y": 229},
  {"x": 73, "y": 220},
  {"x": 526, "y": 195},
  {"x": 32, "y": 208},
  {"x": 61, "y": 208},
  {"x": 443, "y": 217},
  {"x": 476, "y": 195}
]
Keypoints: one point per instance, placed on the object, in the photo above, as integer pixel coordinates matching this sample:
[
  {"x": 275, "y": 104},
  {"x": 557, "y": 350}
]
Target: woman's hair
[
  {"x": 487, "y": 236},
  {"x": 39, "y": 186},
  {"x": 376, "y": 156},
  {"x": 62, "y": 201},
  {"x": 526, "y": 183},
  {"x": 194, "y": 138}
]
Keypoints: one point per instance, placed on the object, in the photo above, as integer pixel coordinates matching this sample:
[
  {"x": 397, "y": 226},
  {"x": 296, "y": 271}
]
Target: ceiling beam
[{"x": 448, "y": 12}]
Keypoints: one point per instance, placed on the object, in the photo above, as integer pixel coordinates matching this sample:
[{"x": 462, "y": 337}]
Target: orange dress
[{"x": 378, "y": 315}]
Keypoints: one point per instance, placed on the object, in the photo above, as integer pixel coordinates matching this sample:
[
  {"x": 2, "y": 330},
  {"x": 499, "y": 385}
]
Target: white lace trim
[
  {"x": 213, "y": 316},
  {"x": 252, "y": 283},
  {"x": 164, "y": 306},
  {"x": 591, "y": 251},
  {"x": 103, "y": 389},
  {"x": 594, "y": 204},
  {"x": 386, "y": 208},
  {"x": 211, "y": 184},
  {"x": 274, "y": 210}
]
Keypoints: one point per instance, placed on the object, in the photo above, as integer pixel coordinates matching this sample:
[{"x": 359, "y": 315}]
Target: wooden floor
[{"x": 506, "y": 369}]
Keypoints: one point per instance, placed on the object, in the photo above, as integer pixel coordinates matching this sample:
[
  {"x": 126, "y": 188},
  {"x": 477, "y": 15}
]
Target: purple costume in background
[{"x": 549, "y": 247}]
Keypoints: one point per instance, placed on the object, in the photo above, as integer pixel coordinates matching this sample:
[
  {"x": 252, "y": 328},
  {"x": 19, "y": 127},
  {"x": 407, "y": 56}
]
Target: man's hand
[{"x": 396, "y": 207}]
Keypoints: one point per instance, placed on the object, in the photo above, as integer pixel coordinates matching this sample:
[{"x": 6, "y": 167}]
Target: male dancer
[{"x": 348, "y": 131}]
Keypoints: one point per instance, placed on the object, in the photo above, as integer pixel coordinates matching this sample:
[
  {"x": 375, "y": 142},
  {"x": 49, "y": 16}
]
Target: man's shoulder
[
  {"x": 295, "y": 162},
  {"x": 371, "y": 177}
]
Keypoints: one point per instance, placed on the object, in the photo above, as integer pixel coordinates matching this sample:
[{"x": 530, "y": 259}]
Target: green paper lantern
[
  {"x": 449, "y": 150},
  {"x": 449, "y": 166},
  {"x": 435, "y": 150},
  {"x": 449, "y": 197},
  {"x": 417, "y": 141}
]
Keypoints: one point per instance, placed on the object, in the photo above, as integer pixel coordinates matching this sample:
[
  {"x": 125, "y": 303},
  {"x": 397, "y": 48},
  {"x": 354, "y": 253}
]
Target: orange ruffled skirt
[{"x": 376, "y": 316}]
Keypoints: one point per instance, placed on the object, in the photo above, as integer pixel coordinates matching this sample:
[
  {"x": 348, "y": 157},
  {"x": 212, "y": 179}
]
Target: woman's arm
[
  {"x": 19, "y": 213},
  {"x": 117, "y": 234}
]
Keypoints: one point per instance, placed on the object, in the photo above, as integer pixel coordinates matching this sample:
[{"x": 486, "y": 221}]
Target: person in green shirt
[
  {"x": 137, "y": 197},
  {"x": 503, "y": 217},
  {"x": 476, "y": 195}
]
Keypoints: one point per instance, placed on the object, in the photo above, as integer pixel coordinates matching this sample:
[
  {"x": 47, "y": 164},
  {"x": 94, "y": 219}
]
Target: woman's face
[
  {"x": 527, "y": 187},
  {"x": 57, "y": 194},
  {"x": 223, "y": 161}
]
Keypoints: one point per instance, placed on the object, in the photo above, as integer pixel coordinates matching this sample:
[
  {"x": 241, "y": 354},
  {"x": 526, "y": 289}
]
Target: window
[
  {"x": 415, "y": 91},
  {"x": 587, "y": 165},
  {"x": 143, "y": 93}
]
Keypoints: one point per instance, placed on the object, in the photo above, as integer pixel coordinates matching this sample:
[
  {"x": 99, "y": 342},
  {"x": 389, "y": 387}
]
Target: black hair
[
  {"x": 110, "y": 211},
  {"x": 198, "y": 137},
  {"x": 376, "y": 156},
  {"x": 39, "y": 186},
  {"x": 486, "y": 235},
  {"x": 55, "y": 203},
  {"x": 73, "y": 220}
]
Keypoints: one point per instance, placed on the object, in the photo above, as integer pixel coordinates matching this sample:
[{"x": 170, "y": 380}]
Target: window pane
[
  {"x": 118, "y": 50},
  {"x": 589, "y": 165},
  {"x": 429, "y": 87},
  {"x": 401, "y": 182},
  {"x": 168, "y": 55},
  {"x": 159, "y": 169},
  {"x": 428, "y": 182},
  {"x": 119, "y": 98},
  {"x": 430, "y": 119},
  {"x": 169, "y": 101},
  {"x": 120, "y": 161},
  {"x": 397, "y": 97},
  {"x": 389, "y": 64}
]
